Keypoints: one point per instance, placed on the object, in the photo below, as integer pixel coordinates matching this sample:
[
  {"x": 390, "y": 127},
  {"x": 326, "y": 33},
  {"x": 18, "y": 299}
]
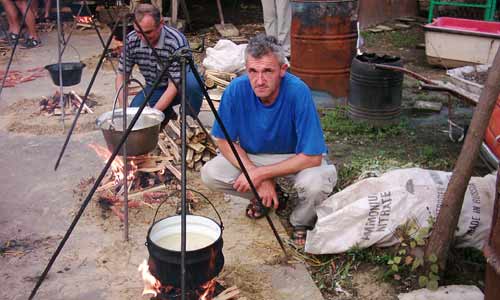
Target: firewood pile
[
  {"x": 216, "y": 82},
  {"x": 200, "y": 149},
  {"x": 50, "y": 106}
]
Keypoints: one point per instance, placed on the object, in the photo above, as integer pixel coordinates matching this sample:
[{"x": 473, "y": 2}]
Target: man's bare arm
[{"x": 167, "y": 97}]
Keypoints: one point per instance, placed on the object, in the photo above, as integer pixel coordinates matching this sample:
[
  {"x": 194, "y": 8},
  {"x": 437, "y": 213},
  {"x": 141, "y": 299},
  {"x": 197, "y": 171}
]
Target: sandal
[
  {"x": 31, "y": 43},
  {"x": 12, "y": 37},
  {"x": 255, "y": 211},
  {"x": 299, "y": 235}
]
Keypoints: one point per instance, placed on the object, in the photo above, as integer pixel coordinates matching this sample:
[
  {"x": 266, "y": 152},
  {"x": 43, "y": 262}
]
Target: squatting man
[{"x": 270, "y": 115}]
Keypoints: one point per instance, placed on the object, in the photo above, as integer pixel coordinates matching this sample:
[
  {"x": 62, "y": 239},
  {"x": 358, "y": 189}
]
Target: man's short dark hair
[
  {"x": 262, "y": 44},
  {"x": 146, "y": 9}
]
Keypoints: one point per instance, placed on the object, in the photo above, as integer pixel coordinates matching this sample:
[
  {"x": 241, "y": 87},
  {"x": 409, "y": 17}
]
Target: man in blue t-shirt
[{"x": 270, "y": 115}]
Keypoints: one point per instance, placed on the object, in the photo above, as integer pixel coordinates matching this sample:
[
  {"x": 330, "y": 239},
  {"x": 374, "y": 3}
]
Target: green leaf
[
  {"x": 402, "y": 252},
  {"x": 413, "y": 244},
  {"x": 397, "y": 260},
  {"x": 424, "y": 231},
  {"x": 390, "y": 262},
  {"x": 433, "y": 276},
  {"x": 422, "y": 281},
  {"x": 432, "y": 258},
  {"x": 395, "y": 268},
  {"x": 434, "y": 268},
  {"x": 420, "y": 241},
  {"x": 416, "y": 263},
  {"x": 432, "y": 285}
]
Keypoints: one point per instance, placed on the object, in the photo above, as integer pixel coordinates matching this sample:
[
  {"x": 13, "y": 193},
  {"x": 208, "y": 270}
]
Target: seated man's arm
[
  {"x": 226, "y": 151},
  {"x": 289, "y": 166},
  {"x": 167, "y": 97}
]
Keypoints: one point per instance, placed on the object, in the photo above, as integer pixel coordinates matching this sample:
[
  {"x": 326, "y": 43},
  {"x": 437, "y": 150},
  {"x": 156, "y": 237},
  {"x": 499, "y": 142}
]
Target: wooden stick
[
  {"x": 217, "y": 80},
  {"x": 229, "y": 293},
  {"x": 174, "y": 170},
  {"x": 148, "y": 190},
  {"x": 85, "y": 107}
]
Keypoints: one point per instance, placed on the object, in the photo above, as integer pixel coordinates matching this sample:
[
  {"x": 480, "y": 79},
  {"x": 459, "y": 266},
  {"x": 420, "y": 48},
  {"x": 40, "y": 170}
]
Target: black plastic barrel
[{"x": 375, "y": 94}]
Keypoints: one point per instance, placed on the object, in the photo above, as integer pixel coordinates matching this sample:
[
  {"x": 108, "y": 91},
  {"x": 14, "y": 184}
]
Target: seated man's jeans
[{"x": 194, "y": 95}]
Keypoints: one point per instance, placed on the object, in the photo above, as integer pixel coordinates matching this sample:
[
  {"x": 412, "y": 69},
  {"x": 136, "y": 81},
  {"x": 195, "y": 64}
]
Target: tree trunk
[
  {"x": 447, "y": 220},
  {"x": 492, "y": 250}
]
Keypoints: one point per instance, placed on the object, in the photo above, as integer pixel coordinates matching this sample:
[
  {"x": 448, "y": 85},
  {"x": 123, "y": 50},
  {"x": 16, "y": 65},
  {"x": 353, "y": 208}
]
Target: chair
[{"x": 489, "y": 7}]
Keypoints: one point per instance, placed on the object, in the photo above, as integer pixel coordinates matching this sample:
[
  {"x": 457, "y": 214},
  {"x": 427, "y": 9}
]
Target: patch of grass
[
  {"x": 336, "y": 122},
  {"x": 403, "y": 39}
]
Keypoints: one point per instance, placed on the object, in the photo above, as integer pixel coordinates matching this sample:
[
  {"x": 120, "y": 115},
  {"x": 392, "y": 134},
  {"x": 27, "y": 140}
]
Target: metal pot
[
  {"x": 202, "y": 264},
  {"x": 144, "y": 135}
]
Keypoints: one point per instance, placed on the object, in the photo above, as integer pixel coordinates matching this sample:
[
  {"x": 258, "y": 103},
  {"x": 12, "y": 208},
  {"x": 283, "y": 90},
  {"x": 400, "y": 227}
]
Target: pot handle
[
  {"x": 118, "y": 93},
  {"x": 211, "y": 204},
  {"x": 203, "y": 196}
]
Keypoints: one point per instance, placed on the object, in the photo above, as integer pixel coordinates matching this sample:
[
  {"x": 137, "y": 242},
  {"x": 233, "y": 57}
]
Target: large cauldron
[
  {"x": 144, "y": 135},
  {"x": 202, "y": 264}
]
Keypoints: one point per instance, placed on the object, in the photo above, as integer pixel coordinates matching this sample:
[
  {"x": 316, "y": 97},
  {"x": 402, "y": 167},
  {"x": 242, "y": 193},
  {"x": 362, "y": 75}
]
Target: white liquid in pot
[{"x": 194, "y": 241}]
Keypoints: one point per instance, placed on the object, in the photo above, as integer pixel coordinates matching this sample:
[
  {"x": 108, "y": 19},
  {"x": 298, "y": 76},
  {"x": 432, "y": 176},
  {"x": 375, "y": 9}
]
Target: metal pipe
[
  {"x": 59, "y": 58},
  {"x": 94, "y": 188},
  {"x": 183, "y": 178},
  {"x": 87, "y": 92},
  {"x": 124, "y": 107}
]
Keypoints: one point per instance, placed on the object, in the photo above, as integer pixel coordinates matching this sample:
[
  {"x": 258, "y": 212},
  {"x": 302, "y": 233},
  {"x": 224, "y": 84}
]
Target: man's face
[
  {"x": 151, "y": 30},
  {"x": 265, "y": 75}
]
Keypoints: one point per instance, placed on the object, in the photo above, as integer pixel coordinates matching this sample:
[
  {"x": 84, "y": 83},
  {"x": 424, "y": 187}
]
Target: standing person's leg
[
  {"x": 269, "y": 12},
  {"x": 46, "y": 10},
  {"x": 12, "y": 19},
  {"x": 283, "y": 24},
  {"x": 33, "y": 40}
]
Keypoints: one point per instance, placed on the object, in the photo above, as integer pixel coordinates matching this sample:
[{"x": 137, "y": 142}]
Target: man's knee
[
  {"x": 208, "y": 176},
  {"x": 316, "y": 182}
]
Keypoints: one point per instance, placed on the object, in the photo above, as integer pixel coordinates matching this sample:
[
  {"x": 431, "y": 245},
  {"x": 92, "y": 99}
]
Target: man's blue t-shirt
[{"x": 289, "y": 125}]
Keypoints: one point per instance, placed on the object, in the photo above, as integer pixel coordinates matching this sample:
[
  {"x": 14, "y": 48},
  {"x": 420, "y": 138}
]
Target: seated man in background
[
  {"x": 270, "y": 115},
  {"x": 166, "y": 41}
]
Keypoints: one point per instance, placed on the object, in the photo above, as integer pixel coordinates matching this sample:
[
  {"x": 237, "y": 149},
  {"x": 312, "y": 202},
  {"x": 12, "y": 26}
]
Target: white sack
[
  {"x": 225, "y": 56},
  {"x": 368, "y": 212}
]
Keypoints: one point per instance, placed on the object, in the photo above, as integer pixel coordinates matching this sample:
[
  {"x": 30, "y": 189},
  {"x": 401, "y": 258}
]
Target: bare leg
[
  {"x": 30, "y": 18},
  {"x": 12, "y": 19},
  {"x": 46, "y": 10}
]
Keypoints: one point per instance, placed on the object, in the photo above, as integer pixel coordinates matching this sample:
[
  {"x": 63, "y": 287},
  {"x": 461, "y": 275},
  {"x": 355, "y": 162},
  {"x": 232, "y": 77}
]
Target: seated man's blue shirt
[{"x": 289, "y": 125}]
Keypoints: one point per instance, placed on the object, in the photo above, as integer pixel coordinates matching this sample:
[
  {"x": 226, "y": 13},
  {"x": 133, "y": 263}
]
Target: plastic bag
[{"x": 225, "y": 56}]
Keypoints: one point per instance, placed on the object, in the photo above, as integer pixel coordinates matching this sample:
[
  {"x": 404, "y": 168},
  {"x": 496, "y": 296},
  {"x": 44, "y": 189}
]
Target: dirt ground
[{"x": 96, "y": 263}]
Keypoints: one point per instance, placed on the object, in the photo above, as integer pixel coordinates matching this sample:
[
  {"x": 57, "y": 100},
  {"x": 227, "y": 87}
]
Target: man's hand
[
  {"x": 241, "y": 184},
  {"x": 267, "y": 193}
]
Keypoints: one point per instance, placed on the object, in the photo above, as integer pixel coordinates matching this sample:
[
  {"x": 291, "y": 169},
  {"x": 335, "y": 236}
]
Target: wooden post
[
  {"x": 447, "y": 220},
  {"x": 492, "y": 251}
]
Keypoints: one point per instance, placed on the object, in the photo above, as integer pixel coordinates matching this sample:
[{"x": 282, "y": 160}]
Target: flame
[
  {"x": 151, "y": 284},
  {"x": 209, "y": 289},
  {"x": 83, "y": 19},
  {"x": 117, "y": 165}
]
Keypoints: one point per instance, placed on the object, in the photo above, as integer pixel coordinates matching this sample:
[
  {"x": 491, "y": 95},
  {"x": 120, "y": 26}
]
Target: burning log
[{"x": 51, "y": 105}]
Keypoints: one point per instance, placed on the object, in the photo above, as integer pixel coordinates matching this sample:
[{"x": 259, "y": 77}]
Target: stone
[
  {"x": 427, "y": 105},
  {"x": 384, "y": 28},
  {"x": 375, "y": 30},
  {"x": 450, "y": 292},
  {"x": 402, "y": 26}
]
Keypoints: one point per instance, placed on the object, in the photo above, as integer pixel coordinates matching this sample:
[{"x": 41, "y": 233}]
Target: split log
[
  {"x": 175, "y": 128},
  {"x": 228, "y": 294},
  {"x": 174, "y": 170},
  {"x": 197, "y": 147},
  {"x": 228, "y": 76},
  {"x": 189, "y": 155},
  {"x": 206, "y": 156},
  {"x": 209, "y": 83},
  {"x": 85, "y": 106},
  {"x": 198, "y": 165},
  {"x": 218, "y": 81},
  {"x": 197, "y": 157},
  {"x": 148, "y": 190}
]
